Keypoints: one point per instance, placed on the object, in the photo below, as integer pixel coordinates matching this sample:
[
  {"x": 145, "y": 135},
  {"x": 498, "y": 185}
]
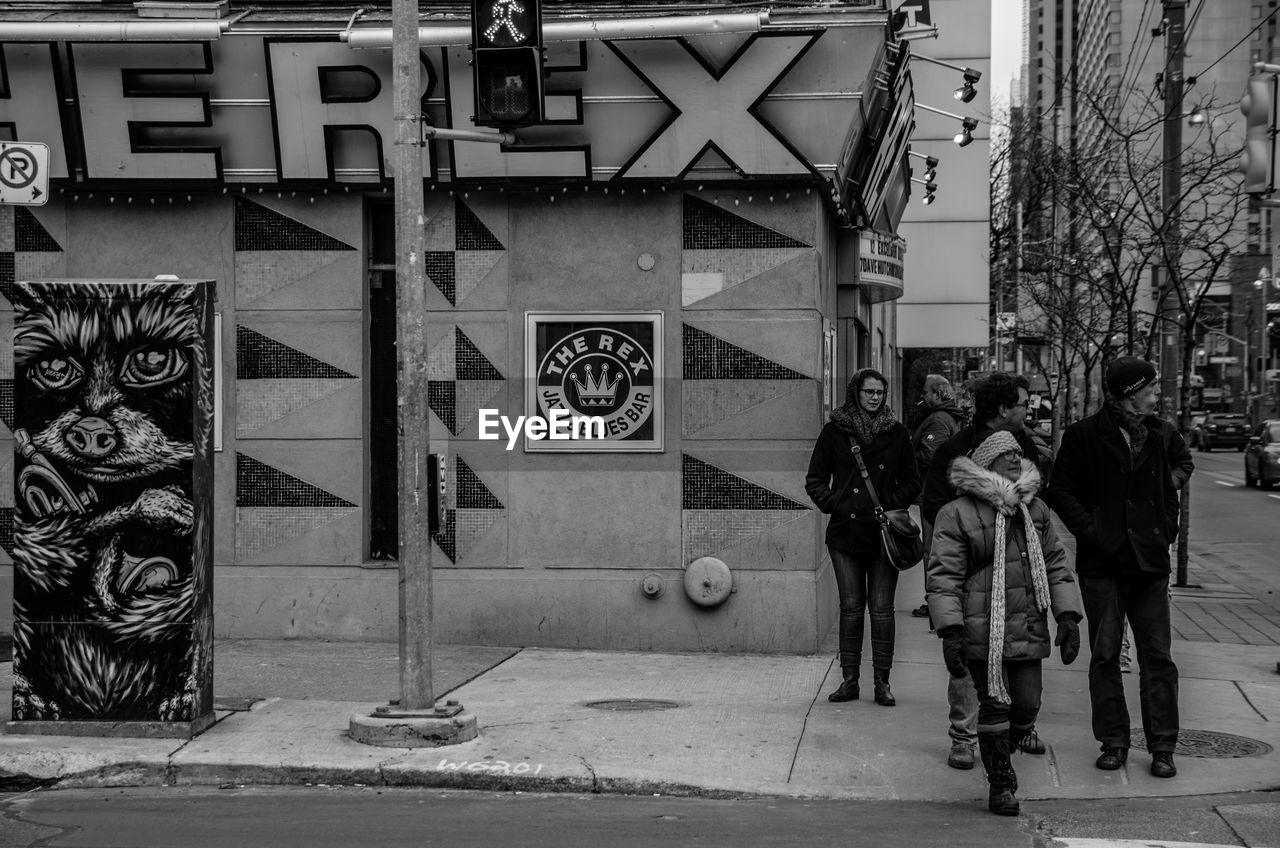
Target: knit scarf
[
  {"x": 1007, "y": 497},
  {"x": 1131, "y": 423}
]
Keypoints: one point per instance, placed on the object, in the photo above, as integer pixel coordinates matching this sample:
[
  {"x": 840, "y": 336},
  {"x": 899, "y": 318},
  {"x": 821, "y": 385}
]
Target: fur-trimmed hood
[{"x": 969, "y": 478}]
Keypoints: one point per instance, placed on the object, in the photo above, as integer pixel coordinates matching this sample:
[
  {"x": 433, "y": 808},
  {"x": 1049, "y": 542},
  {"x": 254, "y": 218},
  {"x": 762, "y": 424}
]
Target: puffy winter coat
[
  {"x": 833, "y": 473},
  {"x": 961, "y": 558}
]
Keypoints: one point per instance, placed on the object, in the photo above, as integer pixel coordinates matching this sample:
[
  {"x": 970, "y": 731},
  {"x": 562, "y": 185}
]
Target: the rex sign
[{"x": 313, "y": 111}]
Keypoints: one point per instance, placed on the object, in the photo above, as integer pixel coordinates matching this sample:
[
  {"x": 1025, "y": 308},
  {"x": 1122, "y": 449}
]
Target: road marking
[
  {"x": 1224, "y": 483},
  {"x": 1277, "y": 497}
]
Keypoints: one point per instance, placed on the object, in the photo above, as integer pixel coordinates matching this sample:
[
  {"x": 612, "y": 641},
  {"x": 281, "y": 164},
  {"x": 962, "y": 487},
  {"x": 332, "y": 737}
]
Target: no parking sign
[{"x": 24, "y": 173}]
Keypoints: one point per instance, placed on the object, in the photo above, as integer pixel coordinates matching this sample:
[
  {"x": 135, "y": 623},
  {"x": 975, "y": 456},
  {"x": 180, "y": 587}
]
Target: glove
[
  {"x": 953, "y": 651},
  {"x": 1068, "y": 640}
]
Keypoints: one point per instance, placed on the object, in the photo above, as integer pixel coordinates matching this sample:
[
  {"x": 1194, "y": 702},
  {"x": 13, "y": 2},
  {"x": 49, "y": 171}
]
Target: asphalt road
[{"x": 333, "y": 817}]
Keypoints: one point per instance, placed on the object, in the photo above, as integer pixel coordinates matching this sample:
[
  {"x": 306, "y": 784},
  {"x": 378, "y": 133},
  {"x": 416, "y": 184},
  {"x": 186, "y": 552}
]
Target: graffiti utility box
[{"x": 112, "y": 527}]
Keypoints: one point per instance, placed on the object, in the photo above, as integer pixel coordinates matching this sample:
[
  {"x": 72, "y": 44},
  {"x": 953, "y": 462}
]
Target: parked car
[
  {"x": 1262, "y": 455},
  {"x": 1224, "y": 430},
  {"x": 1195, "y": 428}
]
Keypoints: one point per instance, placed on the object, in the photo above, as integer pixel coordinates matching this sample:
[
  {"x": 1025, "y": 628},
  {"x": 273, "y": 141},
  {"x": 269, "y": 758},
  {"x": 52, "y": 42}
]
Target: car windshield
[{"x": 1274, "y": 431}]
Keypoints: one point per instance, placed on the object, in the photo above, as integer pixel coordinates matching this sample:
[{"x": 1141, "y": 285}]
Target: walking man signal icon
[{"x": 503, "y": 18}]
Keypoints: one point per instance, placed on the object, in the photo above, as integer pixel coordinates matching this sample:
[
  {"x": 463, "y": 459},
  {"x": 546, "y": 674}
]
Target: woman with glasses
[
  {"x": 864, "y": 577},
  {"x": 996, "y": 569}
]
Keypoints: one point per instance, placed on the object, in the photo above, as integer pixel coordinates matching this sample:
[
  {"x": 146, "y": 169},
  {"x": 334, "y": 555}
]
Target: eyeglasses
[{"x": 873, "y": 392}]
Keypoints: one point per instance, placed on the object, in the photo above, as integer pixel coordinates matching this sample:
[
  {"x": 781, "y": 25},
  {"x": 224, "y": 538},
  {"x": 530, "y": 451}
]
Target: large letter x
[{"x": 714, "y": 110}]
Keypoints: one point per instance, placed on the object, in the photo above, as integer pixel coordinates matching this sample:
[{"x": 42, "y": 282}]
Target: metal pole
[
  {"x": 411, "y": 365},
  {"x": 1175, "y": 49}
]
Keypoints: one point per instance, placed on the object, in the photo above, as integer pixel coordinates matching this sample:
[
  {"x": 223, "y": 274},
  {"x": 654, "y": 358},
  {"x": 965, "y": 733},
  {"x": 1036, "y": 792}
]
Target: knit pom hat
[
  {"x": 1128, "y": 375},
  {"x": 993, "y": 447}
]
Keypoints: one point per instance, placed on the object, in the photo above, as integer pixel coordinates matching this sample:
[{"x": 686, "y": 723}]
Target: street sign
[
  {"x": 24, "y": 173},
  {"x": 1223, "y": 360}
]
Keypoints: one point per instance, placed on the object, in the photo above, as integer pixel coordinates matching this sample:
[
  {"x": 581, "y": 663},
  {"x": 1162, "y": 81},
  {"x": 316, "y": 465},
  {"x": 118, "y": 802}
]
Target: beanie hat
[
  {"x": 993, "y": 447},
  {"x": 1128, "y": 375}
]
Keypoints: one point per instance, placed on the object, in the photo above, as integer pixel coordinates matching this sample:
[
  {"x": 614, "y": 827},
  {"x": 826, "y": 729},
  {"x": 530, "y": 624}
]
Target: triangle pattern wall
[
  {"x": 274, "y": 380},
  {"x": 460, "y": 380},
  {"x": 475, "y": 510},
  {"x": 260, "y": 235},
  {"x": 721, "y": 379},
  {"x": 460, "y": 252},
  {"x": 274, "y": 508},
  {"x": 721, "y": 249},
  {"x": 27, "y": 251},
  {"x": 720, "y": 510}
]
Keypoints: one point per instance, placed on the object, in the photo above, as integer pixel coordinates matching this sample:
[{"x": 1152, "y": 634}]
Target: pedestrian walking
[
  {"x": 995, "y": 571},
  {"x": 942, "y": 421},
  {"x": 1113, "y": 488},
  {"x": 864, "y": 576},
  {"x": 1000, "y": 404}
]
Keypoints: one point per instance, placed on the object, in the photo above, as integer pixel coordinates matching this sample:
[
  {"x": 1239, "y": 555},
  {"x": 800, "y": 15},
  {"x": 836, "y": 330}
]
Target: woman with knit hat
[
  {"x": 996, "y": 570},
  {"x": 864, "y": 577}
]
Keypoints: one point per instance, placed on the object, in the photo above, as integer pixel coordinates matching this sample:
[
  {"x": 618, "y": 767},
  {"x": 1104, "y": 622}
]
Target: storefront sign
[
  {"x": 880, "y": 259},
  {"x": 596, "y": 366},
  {"x": 292, "y": 109}
]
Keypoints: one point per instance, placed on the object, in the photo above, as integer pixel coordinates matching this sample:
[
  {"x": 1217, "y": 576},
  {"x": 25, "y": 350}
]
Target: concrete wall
[{"x": 544, "y": 549}]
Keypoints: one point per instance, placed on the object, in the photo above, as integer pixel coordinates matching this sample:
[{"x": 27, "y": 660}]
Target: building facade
[{"x": 671, "y": 251}]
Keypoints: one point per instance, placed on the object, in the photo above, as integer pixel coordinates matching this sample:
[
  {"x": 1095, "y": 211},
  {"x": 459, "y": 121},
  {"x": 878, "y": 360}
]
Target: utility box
[{"x": 113, "y": 513}]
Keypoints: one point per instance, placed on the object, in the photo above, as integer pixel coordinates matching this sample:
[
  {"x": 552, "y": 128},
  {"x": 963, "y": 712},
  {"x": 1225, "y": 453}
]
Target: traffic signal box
[
  {"x": 1257, "y": 162},
  {"x": 437, "y": 515},
  {"x": 506, "y": 48}
]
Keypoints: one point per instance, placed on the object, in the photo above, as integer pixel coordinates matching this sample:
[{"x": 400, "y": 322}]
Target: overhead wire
[{"x": 1243, "y": 39}]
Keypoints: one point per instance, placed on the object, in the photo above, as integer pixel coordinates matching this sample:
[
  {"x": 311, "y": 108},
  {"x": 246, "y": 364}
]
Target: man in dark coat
[
  {"x": 999, "y": 403},
  {"x": 1114, "y": 489},
  {"x": 942, "y": 421}
]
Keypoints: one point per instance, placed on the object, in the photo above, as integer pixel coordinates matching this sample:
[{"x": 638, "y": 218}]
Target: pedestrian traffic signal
[
  {"x": 1257, "y": 161},
  {"x": 506, "y": 57}
]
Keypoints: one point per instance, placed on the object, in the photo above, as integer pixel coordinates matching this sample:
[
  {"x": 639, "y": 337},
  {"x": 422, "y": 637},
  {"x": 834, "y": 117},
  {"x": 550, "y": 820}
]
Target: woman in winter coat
[
  {"x": 996, "y": 568},
  {"x": 864, "y": 577}
]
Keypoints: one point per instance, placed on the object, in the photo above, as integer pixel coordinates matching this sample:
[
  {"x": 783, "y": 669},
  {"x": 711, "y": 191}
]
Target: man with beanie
[{"x": 1113, "y": 488}]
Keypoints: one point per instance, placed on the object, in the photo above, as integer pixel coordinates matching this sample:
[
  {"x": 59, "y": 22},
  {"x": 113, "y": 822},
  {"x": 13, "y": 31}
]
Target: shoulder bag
[{"x": 900, "y": 538}]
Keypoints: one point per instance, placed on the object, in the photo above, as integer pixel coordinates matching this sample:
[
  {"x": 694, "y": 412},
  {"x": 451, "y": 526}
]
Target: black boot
[
  {"x": 848, "y": 690},
  {"x": 996, "y": 750},
  {"x": 884, "y": 697}
]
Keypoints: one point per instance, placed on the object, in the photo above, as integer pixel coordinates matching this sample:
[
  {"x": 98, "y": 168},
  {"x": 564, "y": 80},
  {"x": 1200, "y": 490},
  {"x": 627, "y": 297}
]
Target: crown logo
[{"x": 596, "y": 392}]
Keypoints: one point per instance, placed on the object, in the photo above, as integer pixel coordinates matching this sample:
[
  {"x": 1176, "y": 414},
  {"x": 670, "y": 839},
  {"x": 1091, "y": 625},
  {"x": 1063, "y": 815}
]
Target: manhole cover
[
  {"x": 1206, "y": 743},
  {"x": 631, "y": 704}
]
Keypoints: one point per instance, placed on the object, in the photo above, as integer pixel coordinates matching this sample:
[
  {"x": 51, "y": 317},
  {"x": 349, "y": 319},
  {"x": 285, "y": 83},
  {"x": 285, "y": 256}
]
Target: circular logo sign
[{"x": 599, "y": 372}]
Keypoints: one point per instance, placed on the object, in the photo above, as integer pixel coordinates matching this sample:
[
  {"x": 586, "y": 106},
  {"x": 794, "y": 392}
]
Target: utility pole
[
  {"x": 1174, "y": 51},
  {"x": 414, "y": 721}
]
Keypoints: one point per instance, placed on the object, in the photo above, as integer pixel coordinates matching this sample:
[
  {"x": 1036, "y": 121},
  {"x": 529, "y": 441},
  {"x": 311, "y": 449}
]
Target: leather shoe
[
  {"x": 848, "y": 691},
  {"x": 1030, "y": 743},
  {"x": 961, "y": 756},
  {"x": 884, "y": 696},
  {"x": 1112, "y": 758},
  {"x": 921, "y": 611},
  {"x": 1162, "y": 764}
]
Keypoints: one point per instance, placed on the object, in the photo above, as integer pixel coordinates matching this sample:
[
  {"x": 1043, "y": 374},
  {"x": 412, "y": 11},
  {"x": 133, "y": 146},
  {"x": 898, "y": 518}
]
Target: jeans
[
  {"x": 1143, "y": 598},
  {"x": 1023, "y": 680},
  {"x": 864, "y": 582},
  {"x": 962, "y": 699}
]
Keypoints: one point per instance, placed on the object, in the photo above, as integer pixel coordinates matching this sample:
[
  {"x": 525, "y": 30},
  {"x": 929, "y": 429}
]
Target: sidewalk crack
[
  {"x": 1252, "y": 706},
  {"x": 804, "y": 725},
  {"x": 595, "y": 780}
]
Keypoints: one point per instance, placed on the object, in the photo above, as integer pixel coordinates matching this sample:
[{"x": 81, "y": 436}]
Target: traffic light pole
[
  {"x": 1175, "y": 50},
  {"x": 414, "y": 720}
]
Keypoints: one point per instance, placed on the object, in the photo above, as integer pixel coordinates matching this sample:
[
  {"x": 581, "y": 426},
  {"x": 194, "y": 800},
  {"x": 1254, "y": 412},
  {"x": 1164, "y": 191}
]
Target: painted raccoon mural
[{"x": 111, "y": 551}]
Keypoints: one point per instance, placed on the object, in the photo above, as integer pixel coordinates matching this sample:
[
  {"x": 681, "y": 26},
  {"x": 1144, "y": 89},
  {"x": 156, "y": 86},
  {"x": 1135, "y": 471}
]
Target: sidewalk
[{"x": 737, "y": 725}]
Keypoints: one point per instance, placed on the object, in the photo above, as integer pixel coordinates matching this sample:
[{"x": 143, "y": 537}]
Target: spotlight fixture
[
  {"x": 966, "y": 92},
  {"x": 930, "y": 187},
  {"x": 967, "y": 125},
  {"x": 1197, "y": 116},
  {"x": 930, "y": 165}
]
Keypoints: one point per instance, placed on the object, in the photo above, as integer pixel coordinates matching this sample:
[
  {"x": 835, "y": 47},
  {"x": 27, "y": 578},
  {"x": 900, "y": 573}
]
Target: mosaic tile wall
[
  {"x": 475, "y": 510},
  {"x": 720, "y": 510},
  {"x": 274, "y": 508},
  {"x": 274, "y": 380},
  {"x": 261, "y": 235},
  {"x": 460, "y": 380},
  {"x": 721, "y": 380},
  {"x": 721, "y": 249},
  {"x": 461, "y": 251},
  {"x": 291, "y": 276}
]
